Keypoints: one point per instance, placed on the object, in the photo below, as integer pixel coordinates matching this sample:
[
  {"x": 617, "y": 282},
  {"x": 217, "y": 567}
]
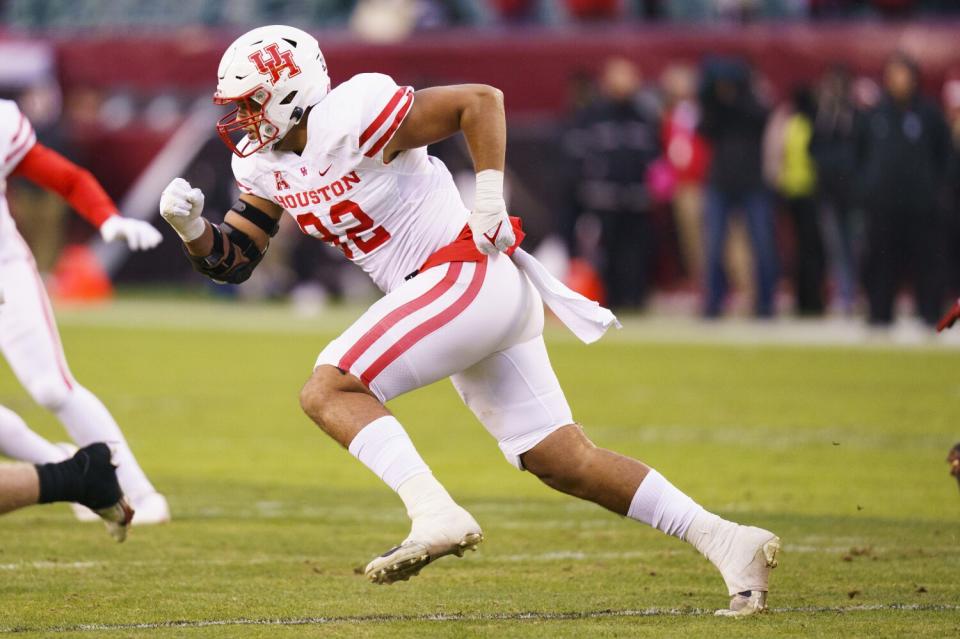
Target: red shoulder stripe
[
  {"x": 393, "y": 127},
  {"x": 27, "y": 140},
  {"x": 19, "y": 128},
  {"x": 376, "y": 124}
]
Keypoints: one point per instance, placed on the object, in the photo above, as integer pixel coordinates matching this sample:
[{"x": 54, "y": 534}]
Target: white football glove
[
  {"x": 139, "y": 235},
  {"x": 489, "y": 222},
  {"x": 181, "y": 206}
]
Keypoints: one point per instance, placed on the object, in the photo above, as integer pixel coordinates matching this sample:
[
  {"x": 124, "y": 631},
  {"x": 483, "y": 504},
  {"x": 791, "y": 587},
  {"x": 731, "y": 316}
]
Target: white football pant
[
  {"x": 480, "y": 324},
  {"x": 31, "y": 345}
]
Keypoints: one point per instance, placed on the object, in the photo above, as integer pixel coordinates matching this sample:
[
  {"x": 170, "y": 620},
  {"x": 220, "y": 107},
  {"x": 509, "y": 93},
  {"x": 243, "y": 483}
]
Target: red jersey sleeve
[{"x": 47, "y": 168}]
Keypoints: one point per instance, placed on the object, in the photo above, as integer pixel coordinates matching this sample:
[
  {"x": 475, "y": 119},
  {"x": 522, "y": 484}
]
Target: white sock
[
  {"x": 711, "y": 535},
  {"x": 423, "y": 494},
  {"x": 88, "y": 421},
  {"x": 660, "y": 504},
  {"x": 385, "y": 448},
  {"x": 19, "y": 442}
]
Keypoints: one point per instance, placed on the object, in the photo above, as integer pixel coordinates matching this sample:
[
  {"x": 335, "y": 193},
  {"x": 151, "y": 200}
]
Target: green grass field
[{"x": 840, "y": 450}]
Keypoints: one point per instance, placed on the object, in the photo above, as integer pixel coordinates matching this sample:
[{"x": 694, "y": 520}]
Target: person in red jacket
[{"x": 29, "y": 339}]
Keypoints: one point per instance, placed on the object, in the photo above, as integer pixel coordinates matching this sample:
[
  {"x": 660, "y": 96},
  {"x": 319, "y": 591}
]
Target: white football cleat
[
  {"x": 433, "y": 536},
  {"x": 746, "y": 567},
  {"x": 151, "y": 509},
  {"x": 117, "y": 518}
]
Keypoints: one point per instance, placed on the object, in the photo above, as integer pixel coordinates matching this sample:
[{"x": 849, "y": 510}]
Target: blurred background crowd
[
  {"x": 395, "y": 15},
  {"x": 745, "y": 157}
]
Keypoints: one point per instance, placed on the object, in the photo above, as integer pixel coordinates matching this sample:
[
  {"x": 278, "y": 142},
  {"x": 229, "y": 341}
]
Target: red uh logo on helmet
[{"x": 275, "y": 62}]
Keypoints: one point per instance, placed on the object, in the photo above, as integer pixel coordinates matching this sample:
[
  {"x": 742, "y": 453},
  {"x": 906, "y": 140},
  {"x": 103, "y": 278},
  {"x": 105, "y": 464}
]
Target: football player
[
  {"x": 350, "y": 166},
  {"x": 29, "y": 338},
  {"x": 88, "y": 478}
]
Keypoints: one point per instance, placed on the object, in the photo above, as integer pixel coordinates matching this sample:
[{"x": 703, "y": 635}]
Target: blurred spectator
[
  {"x": 797, "y": 183},
  {"x": 733, "y": 121},
  {"x": 612, "y": 143},
  {"x": 902, "y": 150},
  {"x": 894, "y": 8},
  {"x": 833, "y": 148},
  {"x": 581, "y": 92},
  {"x": 520, "y": 11},
  {"x": 688, "y": 155},
  {"x": 951, "y": 106},
  {"x": 582, "y": 10},
  {"x": 384, "y": 20}
]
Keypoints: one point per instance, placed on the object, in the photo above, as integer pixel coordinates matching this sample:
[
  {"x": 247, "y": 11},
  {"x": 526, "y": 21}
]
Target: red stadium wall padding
[{"x": 533, "y": 68}]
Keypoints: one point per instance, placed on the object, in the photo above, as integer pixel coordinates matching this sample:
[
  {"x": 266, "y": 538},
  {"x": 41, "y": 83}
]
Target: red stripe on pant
[
  {"x": 51, "y": 327},
  {"x": 380, "y": 329},
  {"x": 429, "y": 326}
]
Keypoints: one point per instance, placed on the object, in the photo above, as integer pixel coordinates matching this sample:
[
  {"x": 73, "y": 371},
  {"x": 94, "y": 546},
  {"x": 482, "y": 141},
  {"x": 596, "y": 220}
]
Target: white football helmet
[{"x": 271, "y": 75}]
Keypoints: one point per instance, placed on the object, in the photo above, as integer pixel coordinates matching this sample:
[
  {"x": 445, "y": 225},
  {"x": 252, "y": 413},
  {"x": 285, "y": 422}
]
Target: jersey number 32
[{"x": 361, "y": 236}]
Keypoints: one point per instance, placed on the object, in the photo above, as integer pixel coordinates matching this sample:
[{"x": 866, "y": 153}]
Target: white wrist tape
[
  {"x": 192, "y": 229},
  {"x": 489, "y": 196}
]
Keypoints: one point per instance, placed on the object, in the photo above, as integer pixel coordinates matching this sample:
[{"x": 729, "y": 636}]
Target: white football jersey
[
  {"x": 387, "y": 218},
  {"x": 16, "y": 138}
]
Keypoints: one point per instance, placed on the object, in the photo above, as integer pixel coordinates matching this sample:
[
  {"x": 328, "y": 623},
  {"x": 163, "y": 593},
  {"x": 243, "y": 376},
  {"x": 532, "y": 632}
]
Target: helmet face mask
[
  {"x": 271, "y": 75},
  {"x": 248, "y": 117}
]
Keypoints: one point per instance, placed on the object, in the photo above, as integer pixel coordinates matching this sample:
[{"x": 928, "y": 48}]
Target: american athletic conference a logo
[{"x": 276, "y": 63}]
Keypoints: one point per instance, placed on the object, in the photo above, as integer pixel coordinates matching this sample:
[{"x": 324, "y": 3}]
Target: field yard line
[
  {"x": 555, "y": 555},
  {"x": 482, "y": 616}
]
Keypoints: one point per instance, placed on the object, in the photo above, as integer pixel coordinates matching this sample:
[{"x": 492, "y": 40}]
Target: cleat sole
[
  {"x": 117, "y": 519},
  {"x": 408, "y": 566}
]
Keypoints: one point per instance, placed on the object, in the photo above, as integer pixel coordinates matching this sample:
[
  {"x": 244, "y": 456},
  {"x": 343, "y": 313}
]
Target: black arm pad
[
  {"x": 233, "y": 257},
  {"x": 257, "y": 217}
]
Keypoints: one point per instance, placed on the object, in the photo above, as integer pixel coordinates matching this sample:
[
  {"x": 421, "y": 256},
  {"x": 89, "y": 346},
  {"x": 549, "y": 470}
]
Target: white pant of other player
[
  {"x": 31, "y": 345},
  {"x": 480, "y": 324}
]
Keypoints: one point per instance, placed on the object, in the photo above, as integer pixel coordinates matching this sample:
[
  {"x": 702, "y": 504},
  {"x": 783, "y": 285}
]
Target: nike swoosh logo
[
  {"x": 496, "y": 232},
  {"x": 324, "y": 172}
]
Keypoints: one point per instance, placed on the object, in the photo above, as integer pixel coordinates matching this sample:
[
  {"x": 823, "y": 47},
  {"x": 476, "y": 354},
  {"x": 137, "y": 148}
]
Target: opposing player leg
[
  {"x": 19, "y": 487},
  {"x": 515, "y": 393},
  {"x": 88, "y": 477},
  {"x": 17, "y": 441},
  {"x": 31, "y": 344},
  {"x": 442, "y": 321}
]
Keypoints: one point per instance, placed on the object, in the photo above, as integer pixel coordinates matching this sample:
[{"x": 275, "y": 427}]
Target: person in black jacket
[
  {"x": 951, "y": 105},
  {"x": 613, "y": 140},
  {"x": 733, "y": 121},
  {"x": 902, "y": 149},
  {"x": 834, "y": 150}
]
